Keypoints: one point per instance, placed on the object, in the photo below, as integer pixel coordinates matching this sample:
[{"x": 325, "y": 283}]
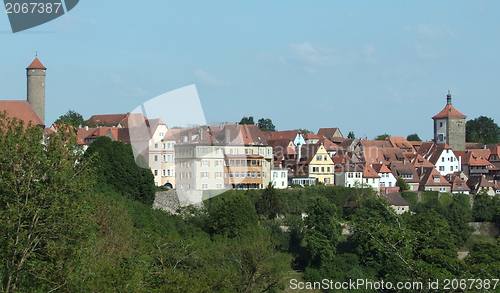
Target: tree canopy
[
  {"x": 247, "y": 120},
  {"x": 382, "y": 136},
  {"x": 43, "y": 207},
  {"x": 266, "y": 124},
  {"x": 483, "y": 130},
  {"x": 413, "y": 137},
  {"x": 116, "y": 167},
  {"x": 72, "y": 118},
  {"x": 351, "y": 135}
]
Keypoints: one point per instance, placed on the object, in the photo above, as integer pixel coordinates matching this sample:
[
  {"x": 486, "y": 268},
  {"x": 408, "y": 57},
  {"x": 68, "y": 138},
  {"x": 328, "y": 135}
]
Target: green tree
[
  {"x": 482, "y": 130},
  {"x": 459, "y": 215},
  {"x": 413, "y": 137},
  {"x": 269, "y": 204},
  {"x": 231, "y": 216},
  {"x": 351, "y": 135},
  {"x": 305, "y": 131},
  {"x": 43, "y": 207},
  {"x": 266, "y": 124},
  {"x": 482, "y": 211},
  {"x": 247, "y": 120},
  {"x": 116, "y": 167},
  {"x": 382, "y": 136},
  {"x": 72, "y": 118},
  {"x": 323, "y": 230},
  {"x": 403, "y": 185}
]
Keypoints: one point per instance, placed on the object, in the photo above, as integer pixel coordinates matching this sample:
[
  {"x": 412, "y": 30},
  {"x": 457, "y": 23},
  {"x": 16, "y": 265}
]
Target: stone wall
[
  {"x": 485, "y": 229},
  {"x": 167, "y": 201}
]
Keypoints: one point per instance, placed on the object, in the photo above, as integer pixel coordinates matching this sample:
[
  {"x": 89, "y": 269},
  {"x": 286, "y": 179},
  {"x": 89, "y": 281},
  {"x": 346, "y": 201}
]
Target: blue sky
[{"x": 368, "y": 67}]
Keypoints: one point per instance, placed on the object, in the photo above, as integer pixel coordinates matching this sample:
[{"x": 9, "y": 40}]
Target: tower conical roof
[
  {"x": 449, "y": 110},
  {"x": 36, "y": 64}
]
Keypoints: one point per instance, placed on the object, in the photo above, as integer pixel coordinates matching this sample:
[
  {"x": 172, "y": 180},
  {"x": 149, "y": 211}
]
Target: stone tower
[
  {"x": 449, "y": 126},
  {"x": 36, "y": 87}
]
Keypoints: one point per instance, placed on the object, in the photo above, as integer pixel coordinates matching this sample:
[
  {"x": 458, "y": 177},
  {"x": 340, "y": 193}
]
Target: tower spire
[{"x": 448, "y": 98}]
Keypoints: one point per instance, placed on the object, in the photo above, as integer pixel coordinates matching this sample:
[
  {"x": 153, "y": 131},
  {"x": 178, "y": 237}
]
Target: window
[
  {"x": 218, "y": 174},
  {"x": 328, "y": 169},
  {"x": 349, "y": 175},
  {"x": 164, "y": 158},
  {"x": 156, "y": 145},
  {"x": 358, "y": 175},
  {"x": 164, "y": 145},
  {"x": 437, "y": 179},
  {"x": 205, "y": 175},
  {"x": 218, "y": 186},
  {"x": 218, "y": 163},
  {"x": 323, "y": 169},
  {"x": 451, "y": 168},
  {"x": 237, "y": 174},
  {"x": 234, "y": 151},
  {"x": 188, "y": 175},
  {"x": 219, "y": 151},
  {"x": 442, "y": 159},
  {"x": 242, "y": 175},
  {"x": 156, "y": 172},
  {"x": 275, "y": 175},
  {"x": 254, "y": 174},
  {"x": 441, "y": 168},
  {"x": 169, "y": 146},
  {"x": 231, "y": 174},
  {"x": 283, "y": 175},
  {"x": 249, "y": 174},
  {"x": 204, "y": 186},
  {"x": 156, "y": 158},
  {"x": 258, "y": 174},
  {"x": 164, "y": 173},
  {"x": 319, "y": 157},
  {"x": 327, "y": 180},
  {"x": 204, "y": 163}
]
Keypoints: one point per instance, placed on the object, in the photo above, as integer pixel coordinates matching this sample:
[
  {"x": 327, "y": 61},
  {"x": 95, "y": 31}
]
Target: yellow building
[{"x": 316, "y": 163}]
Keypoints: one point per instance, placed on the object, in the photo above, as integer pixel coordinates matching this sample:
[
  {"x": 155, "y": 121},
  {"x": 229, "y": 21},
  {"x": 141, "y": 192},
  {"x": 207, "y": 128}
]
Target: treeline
[{"x": 87, "y": 225}]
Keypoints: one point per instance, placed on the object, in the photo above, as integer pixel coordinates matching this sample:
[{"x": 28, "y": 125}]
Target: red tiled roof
[
  {"x": 328, "y": 132},
  {"x": 36, "y": 64},
  {"x": 401, "y": 143},
  {"x": 449, "y": 111},
  {"x": 395, "y": 199},
  {"x": 285, "y": 134},
  {"x": 21, "y": 110},
  {"x": 428, "y": 178}
]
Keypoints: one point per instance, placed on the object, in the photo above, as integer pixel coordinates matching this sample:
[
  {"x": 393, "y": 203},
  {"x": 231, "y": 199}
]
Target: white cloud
[
  {"x": 73, "y": 22},
  {"x": 433, "y": 31},
  {"x": 206, "y": 78}
]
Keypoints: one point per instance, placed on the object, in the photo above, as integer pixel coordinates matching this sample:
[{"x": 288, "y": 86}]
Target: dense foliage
[
  {"x": 72, "y": 118},
  {"x": 482, "y": 130},
  {"x": 67, "y": 228},
  {"x": 413, "y": 137},
  {"x": 114, "y": 162}
]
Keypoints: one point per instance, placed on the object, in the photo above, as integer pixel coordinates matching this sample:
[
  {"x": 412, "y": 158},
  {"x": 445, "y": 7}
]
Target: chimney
[
  {"x": 228, "y": 134},
  {"x": 86, "y": 128},
  {"x": 201, "y": 134}
]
